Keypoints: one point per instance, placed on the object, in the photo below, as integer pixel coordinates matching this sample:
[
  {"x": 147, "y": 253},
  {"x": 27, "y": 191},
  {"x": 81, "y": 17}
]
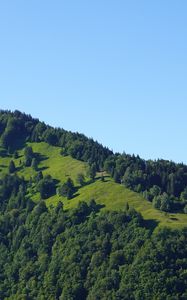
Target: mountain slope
[
  {"x": 162, "y": 182},
  {"x": 110, "y": 195},
  {"x": 70, "y": 247}
]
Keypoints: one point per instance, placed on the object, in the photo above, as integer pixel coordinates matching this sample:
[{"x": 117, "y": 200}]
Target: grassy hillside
[{"x": 110, "y": 195}]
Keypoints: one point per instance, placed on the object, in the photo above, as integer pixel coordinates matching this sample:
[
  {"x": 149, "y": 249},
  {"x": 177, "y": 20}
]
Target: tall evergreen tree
[{"x": 12, "y": 167}]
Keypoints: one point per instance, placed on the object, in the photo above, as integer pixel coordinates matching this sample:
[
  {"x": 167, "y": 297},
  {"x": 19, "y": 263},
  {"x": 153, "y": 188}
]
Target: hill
[
  {"x": 80, "y": 222},
  {"x": 162, "y": 183},
  {"x": 110, "y": 195}
]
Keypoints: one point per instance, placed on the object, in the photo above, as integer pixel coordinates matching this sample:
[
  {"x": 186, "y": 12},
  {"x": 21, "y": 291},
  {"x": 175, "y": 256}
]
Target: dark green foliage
[
  {"x": 34, "y": 163},
  {"x": 10, "y": 188},
  {"x": 11, "y": 167},
  {"x": 117, "y": 178},
  {"x": 183, "y": 196},
  {"x": 29, "y": 155},
  {"x": 80, "y": 179},
  {"x": 67, "y": 189},
  {"x": 50, "y": 137},
  {"x": 8, "y": 136},
  {"x": 150, "y": 177},
  {"x": 15, "y": 127},
  {"x": 92, "y": 171},
  {"x": 46, "y": 187},
  {"x": 162, "y": 202},
  {"x": 28, "y": 152},
  {"x": 40, "y": 208},
  {"x": 38, "y": 177},
  {"x": 38, "y": 131},
  {"x": 80, "y": 254},
  {"x": 159, "y": 270},
  {"x": 16, "y": 155}
]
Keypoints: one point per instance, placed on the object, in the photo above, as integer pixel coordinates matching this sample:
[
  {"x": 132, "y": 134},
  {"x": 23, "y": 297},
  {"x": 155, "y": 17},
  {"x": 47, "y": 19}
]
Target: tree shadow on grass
[
  {"x": 40, "y": 157},
  {"x": 105, "y": 180},
  {"x": 3, "y": 166},
  {"x": 40, "y": 169},
  {"x": 56, "y": 181},
  {"x": 19, "y": 168},
  {"x": 85, "y": 184},
  {"x": 75, "y": 195},
  {"x": 93, "y": 181},
  {"x": 173, "y": 219},
  {"x": 99, "y": 206},
  {"x": 105, "y": 177}
]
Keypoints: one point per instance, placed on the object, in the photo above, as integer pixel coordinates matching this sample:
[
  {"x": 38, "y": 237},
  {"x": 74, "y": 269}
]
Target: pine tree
[
  {"x": 12, "y": 167},
  {"x": 34, "y": 164}
]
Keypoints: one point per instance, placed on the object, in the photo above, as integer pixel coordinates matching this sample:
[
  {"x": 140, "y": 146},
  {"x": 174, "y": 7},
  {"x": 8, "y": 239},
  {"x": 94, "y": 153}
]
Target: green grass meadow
[{"x": 110, "y": 195}]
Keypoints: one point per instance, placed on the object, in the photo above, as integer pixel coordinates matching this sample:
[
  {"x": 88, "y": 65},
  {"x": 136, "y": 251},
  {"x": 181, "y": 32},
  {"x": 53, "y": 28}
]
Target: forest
[
  {"x": 48, "y": 252},
  {"x": 84, "y": 253}
]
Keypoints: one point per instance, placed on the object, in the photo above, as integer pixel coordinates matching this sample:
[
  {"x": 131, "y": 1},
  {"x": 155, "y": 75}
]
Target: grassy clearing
[
  {"x": 52, "y": 163},
  {"x": 114, "y": 197},
  {"x": 56, "y": 165},
  {"x": 110, "y": 195}
]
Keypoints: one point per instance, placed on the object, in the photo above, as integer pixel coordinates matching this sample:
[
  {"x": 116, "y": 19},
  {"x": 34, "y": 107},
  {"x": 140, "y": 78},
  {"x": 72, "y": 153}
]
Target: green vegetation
[
  {"x": 46, "y": 187},
  {"x": 111, "y": 195},
  {"x": 29, "y": 156},
  {"x": 12, "y": 167},
  {"x": 114, "y": 197},
  {"x": 79, "y": 222},
  {"x": 66, "y": 189},
  {"x": 80, "y": 254},
  {"x": 135, "y": 173},
  {"x": 165, "y": 177},
  {"x": 80, "y": 179}
]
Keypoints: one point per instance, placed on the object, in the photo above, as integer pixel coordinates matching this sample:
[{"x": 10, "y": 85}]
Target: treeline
[
  {"x": 16, "y": 127},
  {"x": 162, "y": 182},
  {"x": 50, "y": 254}
]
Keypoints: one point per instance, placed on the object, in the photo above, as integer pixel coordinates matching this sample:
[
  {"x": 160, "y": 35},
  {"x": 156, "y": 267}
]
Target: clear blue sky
[{"x": 114, "y": 70}]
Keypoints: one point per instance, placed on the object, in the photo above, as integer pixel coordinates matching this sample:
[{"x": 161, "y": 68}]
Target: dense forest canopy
[
  {"x": 162, "y": 182},
  {"x": 84, "y": 253}
]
